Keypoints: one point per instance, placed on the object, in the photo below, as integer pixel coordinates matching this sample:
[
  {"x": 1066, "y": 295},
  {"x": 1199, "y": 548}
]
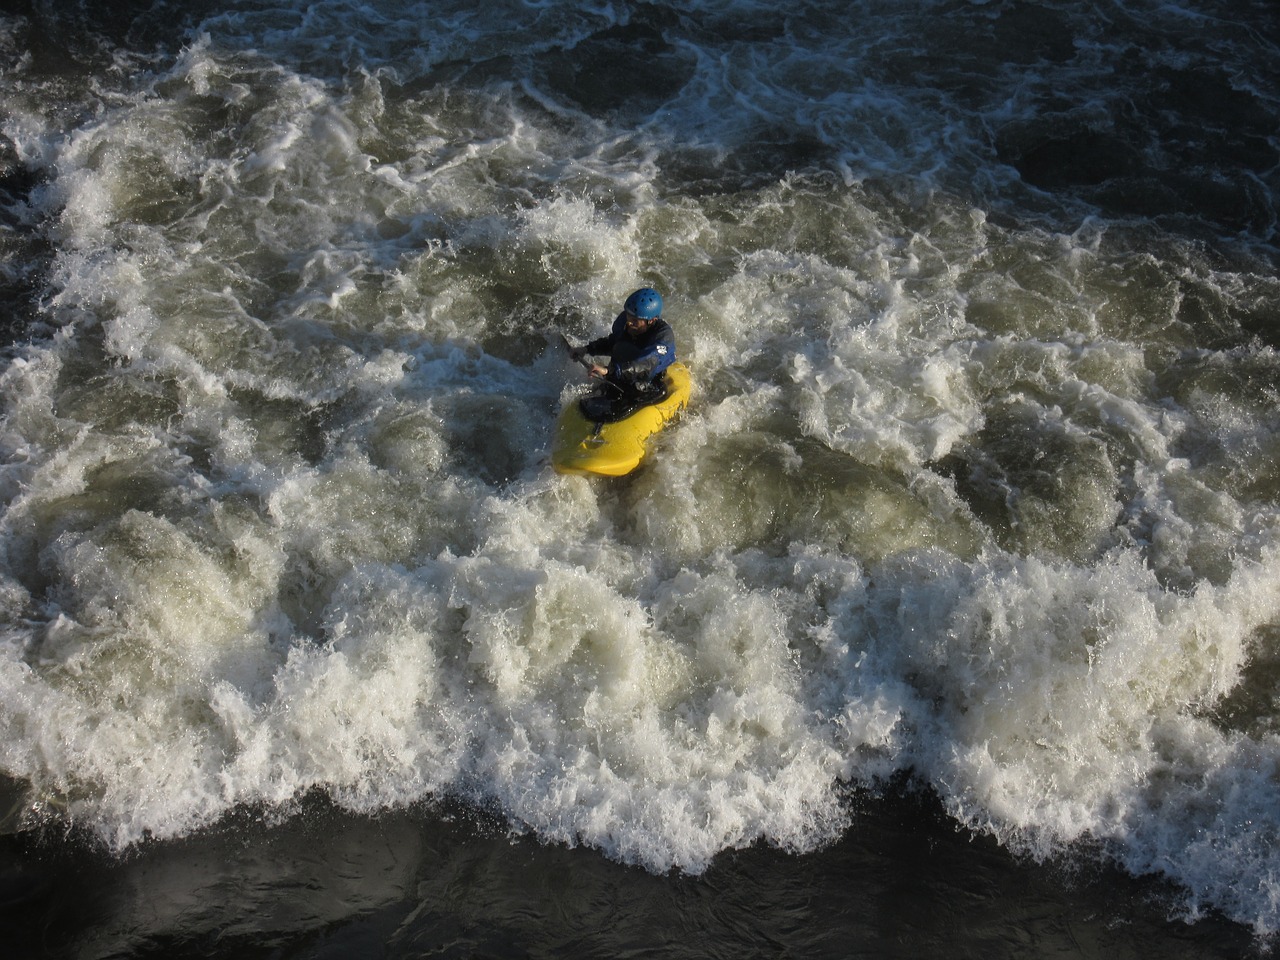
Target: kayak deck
[{"x": 615, "y": 449}]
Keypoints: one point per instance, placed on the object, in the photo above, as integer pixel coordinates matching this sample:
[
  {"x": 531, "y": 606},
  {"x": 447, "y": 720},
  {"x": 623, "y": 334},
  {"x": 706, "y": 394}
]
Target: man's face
[{"x": 635, "y": 326}]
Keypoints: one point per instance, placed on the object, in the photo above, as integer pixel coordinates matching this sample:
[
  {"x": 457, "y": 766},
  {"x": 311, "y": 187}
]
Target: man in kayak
[{"x": 640, "y": 346}]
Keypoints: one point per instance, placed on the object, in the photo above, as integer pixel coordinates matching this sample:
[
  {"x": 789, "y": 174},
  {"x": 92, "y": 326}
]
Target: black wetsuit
[{"x": 636, "y": 364}]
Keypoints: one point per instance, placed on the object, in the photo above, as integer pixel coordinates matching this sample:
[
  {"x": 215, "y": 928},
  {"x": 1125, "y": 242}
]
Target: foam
[{"x": 958, "y": 494}]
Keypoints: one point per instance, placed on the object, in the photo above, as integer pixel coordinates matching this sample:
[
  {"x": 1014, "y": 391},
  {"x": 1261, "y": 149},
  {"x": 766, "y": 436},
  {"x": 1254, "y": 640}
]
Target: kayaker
[{"x": 640, "y": 346}]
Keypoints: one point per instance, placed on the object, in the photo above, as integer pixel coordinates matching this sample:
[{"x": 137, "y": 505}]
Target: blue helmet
[{"x": 645, "y": 303}]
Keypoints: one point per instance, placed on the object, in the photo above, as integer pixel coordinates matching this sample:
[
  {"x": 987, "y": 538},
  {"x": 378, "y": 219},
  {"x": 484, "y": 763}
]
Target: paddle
[
  {"x": 585, "y": 362},
  {"x": 568, "y": 348}
]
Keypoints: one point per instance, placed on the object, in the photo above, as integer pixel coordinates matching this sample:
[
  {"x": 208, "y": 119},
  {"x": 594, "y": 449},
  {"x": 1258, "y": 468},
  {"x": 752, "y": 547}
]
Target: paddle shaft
[{"x": 586, "y": 363}]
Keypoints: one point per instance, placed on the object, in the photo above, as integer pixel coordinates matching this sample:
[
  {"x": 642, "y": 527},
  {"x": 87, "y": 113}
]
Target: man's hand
[{"x": 597, "y": 371}]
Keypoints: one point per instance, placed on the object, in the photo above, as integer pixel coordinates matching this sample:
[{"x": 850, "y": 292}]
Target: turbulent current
[{"x": 978, "y": 486}]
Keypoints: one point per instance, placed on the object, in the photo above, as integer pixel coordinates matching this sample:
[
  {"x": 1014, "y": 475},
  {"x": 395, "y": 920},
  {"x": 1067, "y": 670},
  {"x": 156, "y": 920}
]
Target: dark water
[
  {"x": 903, "y": 882},
  {"x": 945, "y": 624}
]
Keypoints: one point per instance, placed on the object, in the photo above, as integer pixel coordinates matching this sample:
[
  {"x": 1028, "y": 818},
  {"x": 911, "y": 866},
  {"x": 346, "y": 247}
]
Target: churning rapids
[{"x": 979, "y": 484}]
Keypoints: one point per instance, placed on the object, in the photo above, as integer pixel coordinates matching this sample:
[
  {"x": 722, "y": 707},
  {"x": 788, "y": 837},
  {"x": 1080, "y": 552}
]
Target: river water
[{"x": 945, "y": 622}]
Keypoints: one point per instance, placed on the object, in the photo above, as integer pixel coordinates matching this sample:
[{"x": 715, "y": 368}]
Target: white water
[{"x": 965, "y": 490}]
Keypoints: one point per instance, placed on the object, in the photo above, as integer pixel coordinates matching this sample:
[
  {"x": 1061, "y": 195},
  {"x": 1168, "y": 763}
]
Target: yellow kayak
[{"x": 613, "y": 449}]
